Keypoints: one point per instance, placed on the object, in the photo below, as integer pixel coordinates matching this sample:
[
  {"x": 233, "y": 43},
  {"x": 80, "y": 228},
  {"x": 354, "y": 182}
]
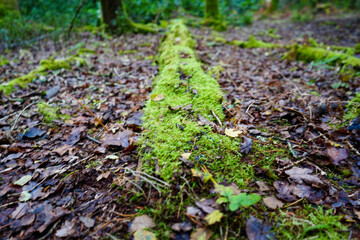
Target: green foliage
[
  {"x": 353, "y": 109},
  {"x": 42, "y": 17},
  {"x": 236, "y": 200},
  {"x": 50, "y": 113},
  {"x": 309, "y": 223}
]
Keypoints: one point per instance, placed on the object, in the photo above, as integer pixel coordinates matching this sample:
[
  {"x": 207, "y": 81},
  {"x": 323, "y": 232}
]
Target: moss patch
[
  {"x": 50, "y": 113},
  {"x": 3, "y": 61},
  {"x": 308, "y": 54},
  {"x": 309, "y": 223},
  {"x": 45, "y": 65},
  {"x": 170, "y": 133},
  {"x": 254, "y": 43}
]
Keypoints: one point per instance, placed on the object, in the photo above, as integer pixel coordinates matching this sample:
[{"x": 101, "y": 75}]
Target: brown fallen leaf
[
  {"x": 201, "y": 233},
  {"x": 67, "y": 230},
  {"x": 301, "y": 175},
  {"x": 117, "y": 141},
  {"x": 262, "y": 186},
  {"x": 157, "y": 97},
  {"x": 232, "y": 132},
  {"x": 273, "y": 202},
  {"x": 141, "y": 222},
  {"x": 336, "y": 154}
]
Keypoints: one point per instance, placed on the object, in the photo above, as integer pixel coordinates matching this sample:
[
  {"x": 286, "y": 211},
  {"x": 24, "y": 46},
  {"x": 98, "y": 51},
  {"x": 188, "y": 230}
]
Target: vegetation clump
[
  {"x": 309, "y": 223},
  {"x": 183, "y": 92},
  {"x": 45, "y": 65},
  {"x": 308, "y": 54},
  {"x": 254, "y": 43},
  {"x": 50, "y": 113}
]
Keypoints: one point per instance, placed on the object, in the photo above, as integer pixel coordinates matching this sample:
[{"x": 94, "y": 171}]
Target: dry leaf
[
  {"x": 186, "y": 155},
  {"x": 232, "y": 132},
  {"x": 157, "y": 97},
  {"x": 273, "y": 202},
  {"x": 141, "y": 222},
  {"x": 201, "y": 234},
  {"x": 23, "y": 180}
]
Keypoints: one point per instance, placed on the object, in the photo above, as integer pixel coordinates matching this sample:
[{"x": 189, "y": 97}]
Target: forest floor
[{"x": 63, "y": 176}]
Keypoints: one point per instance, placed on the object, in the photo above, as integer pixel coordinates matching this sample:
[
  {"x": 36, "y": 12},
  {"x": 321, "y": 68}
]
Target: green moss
[
  {"x": 50, "y": 113},
  {"x": 309, "y": 222},
  {"x": 122, "y": 52},
  {"x": 45, "y": 65},
  {"x": 170, "y": 133},
  {"x": 254, "y": 43},
  {"x": 357, "y": 48},
  {"x": 220, "y": 39},
  {"x": 3, "y": 61},
  {"x": 84, "y": 51},
  {"x": 271, "y": 32},
  {"x": 308, "y": 54},
  {"x": 353, "y": 109}
]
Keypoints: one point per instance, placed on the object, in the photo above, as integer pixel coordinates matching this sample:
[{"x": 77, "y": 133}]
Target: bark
[
  {"x": 212, "y": 10},
  {"x": 110, "y": 10}
]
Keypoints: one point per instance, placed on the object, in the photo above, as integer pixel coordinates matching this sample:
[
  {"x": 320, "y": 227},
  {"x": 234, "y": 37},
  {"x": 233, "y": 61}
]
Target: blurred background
[{"x": 23, "y": 21}]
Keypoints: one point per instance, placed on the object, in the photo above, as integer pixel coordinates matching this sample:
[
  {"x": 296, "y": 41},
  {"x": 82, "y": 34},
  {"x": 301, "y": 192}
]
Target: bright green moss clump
[
  {"x": 309, "y": 223},
  {"x": 308, "y": 54},
  {"x": 254, "y": 43},
  {"x": 3, "y": 61},
  {"x": 170, "y": 133},
  {"x": 50, "y": 113}
]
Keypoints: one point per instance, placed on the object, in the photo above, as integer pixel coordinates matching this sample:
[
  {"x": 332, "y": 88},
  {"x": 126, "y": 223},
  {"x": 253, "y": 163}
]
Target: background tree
[
  {"x": 111, "y": 9},
  {"x": 212, "y": 10}
]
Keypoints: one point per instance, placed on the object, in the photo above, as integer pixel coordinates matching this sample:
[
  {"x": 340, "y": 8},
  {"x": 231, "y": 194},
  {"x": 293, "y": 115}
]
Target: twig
[
  {"x": 93, "y": 139},
  {"x": 74, "y": 18},
  {"x": 294, "y": 110},
  {"x": 247, "y": 110},
  {"x": 97, "y": 119},
  {"x": 293, "y": 203},
  {"x": 9, "y": 204},
  {"x": 216, "y": 117},
  {"x": 291, "y": 165},
  {"x": 8, "y": 133},
  {"x": 352, "y": 148}
]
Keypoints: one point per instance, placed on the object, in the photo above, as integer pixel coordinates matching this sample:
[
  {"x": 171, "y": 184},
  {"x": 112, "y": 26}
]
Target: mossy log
[
  {"x": 308, "y": 54},
  {"x": 182, "y": 92},
  {"x": 45, "y": 65}
]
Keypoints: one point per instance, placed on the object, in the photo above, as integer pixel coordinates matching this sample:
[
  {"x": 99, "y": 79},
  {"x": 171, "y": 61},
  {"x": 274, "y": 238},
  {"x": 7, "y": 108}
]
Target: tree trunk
[
  {"x": 212, "y": 10},
  {"x": 110, "y": 10}
]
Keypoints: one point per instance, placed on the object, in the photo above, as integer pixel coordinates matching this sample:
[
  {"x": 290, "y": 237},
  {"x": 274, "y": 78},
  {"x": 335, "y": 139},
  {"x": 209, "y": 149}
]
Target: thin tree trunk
[
  {"x": 110, "y": 10},
  {"x": 212, "y": 10}
]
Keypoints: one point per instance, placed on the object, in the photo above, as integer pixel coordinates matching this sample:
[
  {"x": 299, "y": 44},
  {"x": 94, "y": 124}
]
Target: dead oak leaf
[
  {"x": 273, "y": 202},
  {"x": 301, "y": 175},
  {"x": 336, "y": 154}
]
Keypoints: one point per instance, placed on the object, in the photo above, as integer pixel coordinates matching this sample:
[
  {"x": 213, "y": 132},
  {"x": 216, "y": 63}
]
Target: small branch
[
  {"x": 8, "y": 133},
  {"x": 97, "y": 119},
  {"x": 216, "y": 117},
  {"x": 75, "y": 16}
]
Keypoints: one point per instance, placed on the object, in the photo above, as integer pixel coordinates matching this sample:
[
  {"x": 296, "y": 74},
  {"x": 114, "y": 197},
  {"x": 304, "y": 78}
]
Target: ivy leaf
[
  {"x": 243, "y": 200},
  {"x": 214, "y": 217}
]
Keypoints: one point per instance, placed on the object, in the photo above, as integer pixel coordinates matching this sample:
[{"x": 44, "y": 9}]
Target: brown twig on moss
[{"x": 96, "y": 118}]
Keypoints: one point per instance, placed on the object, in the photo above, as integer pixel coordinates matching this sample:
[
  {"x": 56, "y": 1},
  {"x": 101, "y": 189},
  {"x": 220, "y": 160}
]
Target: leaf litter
[{"x": 58, "y": 178}]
